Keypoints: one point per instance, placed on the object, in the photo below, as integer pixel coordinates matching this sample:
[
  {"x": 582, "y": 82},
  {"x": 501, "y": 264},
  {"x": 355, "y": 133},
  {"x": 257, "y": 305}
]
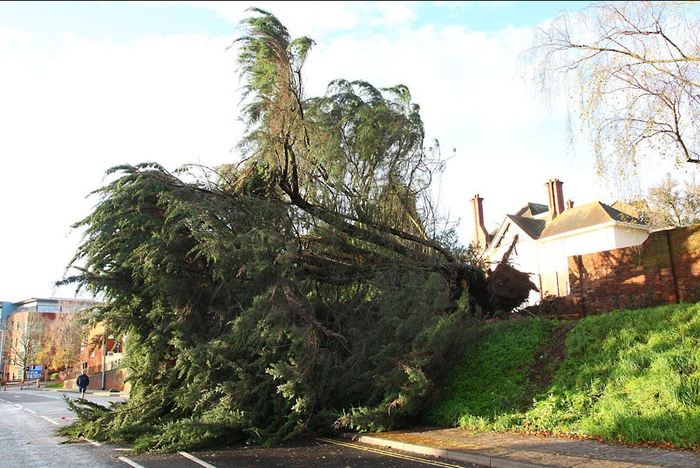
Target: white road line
[
  {"x": 132, "y": 463},
  {"x": 196, "y": 460},
  {"x": 96, "y": 444},
  {"x": 50, "y": 420},
  {"x": 31, "y": 411},
  {"x": 18, "y": 406}
]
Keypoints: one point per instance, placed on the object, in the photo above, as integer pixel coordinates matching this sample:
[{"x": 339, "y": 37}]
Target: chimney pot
[{"x": 555, "y": 196}]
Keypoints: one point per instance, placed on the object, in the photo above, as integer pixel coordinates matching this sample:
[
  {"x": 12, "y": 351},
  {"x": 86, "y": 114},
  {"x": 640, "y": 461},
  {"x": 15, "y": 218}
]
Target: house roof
[
  {"x": 531, "y": 227},
  {"x": 531, "y": 210},
  {"x": 524, "y": 218},
  {"x": 585, "y": 216}
]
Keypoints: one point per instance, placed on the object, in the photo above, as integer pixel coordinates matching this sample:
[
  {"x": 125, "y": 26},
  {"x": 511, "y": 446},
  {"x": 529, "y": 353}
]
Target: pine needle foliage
[{"x": 302, "y": 290}]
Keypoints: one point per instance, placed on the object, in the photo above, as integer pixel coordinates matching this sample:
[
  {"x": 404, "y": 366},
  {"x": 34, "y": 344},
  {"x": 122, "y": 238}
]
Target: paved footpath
[{"x": 525, "y": 451}]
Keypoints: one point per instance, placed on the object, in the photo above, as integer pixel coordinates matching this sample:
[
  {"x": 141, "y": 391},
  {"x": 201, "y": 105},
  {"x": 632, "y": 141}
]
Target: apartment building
[{"x": 25, "y": 327}]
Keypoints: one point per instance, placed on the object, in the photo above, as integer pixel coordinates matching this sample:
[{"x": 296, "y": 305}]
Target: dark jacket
[{"x": 82, "y": 381}]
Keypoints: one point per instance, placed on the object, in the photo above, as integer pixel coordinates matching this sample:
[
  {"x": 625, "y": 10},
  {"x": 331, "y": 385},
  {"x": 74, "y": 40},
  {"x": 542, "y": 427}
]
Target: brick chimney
[
  {"x": 481, "y": 236},
  {"x": 555, "y": 195},
  {"x": 569, "y": 204}
]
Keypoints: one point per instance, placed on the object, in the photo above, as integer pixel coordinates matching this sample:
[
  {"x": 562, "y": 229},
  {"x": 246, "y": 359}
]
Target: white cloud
[{"x": 75, "y": 107}]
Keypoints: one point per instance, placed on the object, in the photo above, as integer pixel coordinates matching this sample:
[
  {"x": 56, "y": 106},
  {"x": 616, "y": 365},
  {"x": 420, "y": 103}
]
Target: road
[
  {"x": 30, "y": 418},
  {"x": 28, "y": 423}
]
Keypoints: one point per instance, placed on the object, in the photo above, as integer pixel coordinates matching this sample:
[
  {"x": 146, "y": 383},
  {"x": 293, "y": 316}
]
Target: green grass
[
  {"x": 628, "y": 376},
  {"x": 54, "y": 385}
]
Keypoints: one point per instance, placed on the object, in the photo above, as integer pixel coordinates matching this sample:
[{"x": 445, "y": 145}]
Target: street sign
[{"x": 33, "y": 372}]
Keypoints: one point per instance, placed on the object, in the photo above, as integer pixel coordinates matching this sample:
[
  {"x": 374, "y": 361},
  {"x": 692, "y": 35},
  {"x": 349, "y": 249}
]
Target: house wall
[
  {"x": 554, "y": 253},
  {"x": 665, "y": 269},
  {"x": 525, "y": 260},
  {"x": 524, "y": 257},
  {"x": 627, "y": 237},
  {"x": 92, "y": 351},
  {"x": 549, "y": 260}
]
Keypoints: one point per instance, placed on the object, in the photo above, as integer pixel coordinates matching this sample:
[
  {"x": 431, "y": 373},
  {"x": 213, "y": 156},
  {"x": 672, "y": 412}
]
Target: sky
[{"x": 85, "y": 86}]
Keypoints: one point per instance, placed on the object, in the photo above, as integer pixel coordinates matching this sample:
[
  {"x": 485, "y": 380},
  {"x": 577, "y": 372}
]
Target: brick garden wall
[
  {"x": 686, "y": 250},
  {"x": 114, "y": 380},
  {"x": 665, "y": 269}
]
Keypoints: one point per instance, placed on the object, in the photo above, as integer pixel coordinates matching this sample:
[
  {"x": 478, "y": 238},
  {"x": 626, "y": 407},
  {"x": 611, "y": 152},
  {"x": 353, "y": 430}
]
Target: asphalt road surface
[
  {"x": 29, "y": 420},
  {"x": 28, "y": 423}
]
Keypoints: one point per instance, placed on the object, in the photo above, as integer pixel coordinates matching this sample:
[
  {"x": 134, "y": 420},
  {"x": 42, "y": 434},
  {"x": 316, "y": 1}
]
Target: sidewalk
[
  {"x": 524, "y": 451},
  {"x": 89, "y": 391}
]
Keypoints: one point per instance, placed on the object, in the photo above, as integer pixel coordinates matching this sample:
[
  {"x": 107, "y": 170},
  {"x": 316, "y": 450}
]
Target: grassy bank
[{"x": 626, "y": 376}]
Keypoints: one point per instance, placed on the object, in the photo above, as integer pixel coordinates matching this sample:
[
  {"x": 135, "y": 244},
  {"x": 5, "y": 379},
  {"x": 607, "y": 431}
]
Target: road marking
[
  {"x": 129, "y": 462},
  {"x": 18, "y": 406},
  {"x": 196, "y": 460},
  {"x": 50, "y": 420},
  {"x": 31, "y": 411},
  {"x": 96, "y": 444},
  {"x": 390, "y": 454}
]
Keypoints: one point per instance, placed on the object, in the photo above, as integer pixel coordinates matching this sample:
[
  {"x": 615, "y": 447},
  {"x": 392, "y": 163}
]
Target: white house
[{"x": 546, "y": 235}]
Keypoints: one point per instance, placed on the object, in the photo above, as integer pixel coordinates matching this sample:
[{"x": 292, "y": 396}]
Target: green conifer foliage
[{"x": 301, "y": 290}]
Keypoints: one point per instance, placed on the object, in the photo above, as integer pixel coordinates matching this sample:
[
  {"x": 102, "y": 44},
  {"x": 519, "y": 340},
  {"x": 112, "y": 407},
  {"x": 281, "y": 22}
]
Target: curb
[{"x": 453, "y": 455}]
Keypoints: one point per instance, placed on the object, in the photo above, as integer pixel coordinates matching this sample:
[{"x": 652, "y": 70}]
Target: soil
[{"x": 547, "y": 361}]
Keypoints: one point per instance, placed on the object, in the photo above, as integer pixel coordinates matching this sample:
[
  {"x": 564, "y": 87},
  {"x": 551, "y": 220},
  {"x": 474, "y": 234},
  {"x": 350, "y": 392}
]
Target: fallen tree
[{"x": 307, "y": 288}]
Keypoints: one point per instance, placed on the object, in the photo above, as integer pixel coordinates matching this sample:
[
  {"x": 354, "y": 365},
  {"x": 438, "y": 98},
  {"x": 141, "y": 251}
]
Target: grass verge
[{"x": 625, "y": 376}]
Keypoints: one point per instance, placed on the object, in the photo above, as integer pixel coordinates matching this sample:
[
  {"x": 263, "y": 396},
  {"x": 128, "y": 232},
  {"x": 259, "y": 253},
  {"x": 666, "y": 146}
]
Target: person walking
[{"x": 82, "y": 382}]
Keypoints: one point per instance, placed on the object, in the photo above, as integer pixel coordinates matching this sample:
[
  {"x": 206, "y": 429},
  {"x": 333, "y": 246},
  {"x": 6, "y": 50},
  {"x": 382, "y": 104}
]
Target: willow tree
[
  {"x": 632, "y": 73},
  {"x": 303, "y": 289}
]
